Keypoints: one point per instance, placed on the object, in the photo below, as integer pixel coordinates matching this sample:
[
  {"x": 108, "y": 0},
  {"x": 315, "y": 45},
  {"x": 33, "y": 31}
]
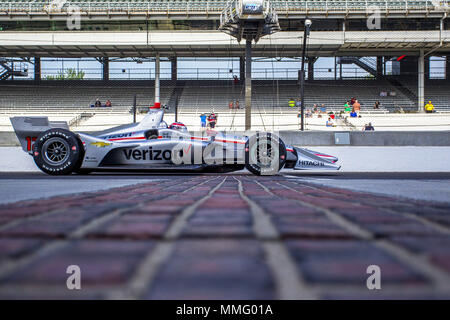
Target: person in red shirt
[{"x": 212, "y": 119}]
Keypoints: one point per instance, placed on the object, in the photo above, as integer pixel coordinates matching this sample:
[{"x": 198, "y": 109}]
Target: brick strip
[
  {"x": 440, "y": 278},
  {"x": 222, "y": 237},
  {"x": 151, "y": 264},
  {"x": 289, "y": 283},
  {"x": 8, "y": 266},
  {"x": 406, "y": 208}
]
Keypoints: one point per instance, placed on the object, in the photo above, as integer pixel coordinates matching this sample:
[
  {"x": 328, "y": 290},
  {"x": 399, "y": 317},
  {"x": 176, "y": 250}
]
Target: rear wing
[{"x": 27, "y": 129}]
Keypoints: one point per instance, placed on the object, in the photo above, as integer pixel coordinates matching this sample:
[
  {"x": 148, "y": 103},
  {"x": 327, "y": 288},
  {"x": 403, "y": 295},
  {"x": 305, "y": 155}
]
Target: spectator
[
  {"x": 235, "y": 79},
  {"x": 369, "y": 127},
  {"x": 203, "y": 120},
  {"x": 231, "y": 105},
  {"x": 429, "y": 108},
  {"x": 97, "y": 104},
  {"x": 292, "y": 103},
  {"x": 323, "y": 109},
  {"x": 212, "y": 119},
  {"x": 352, "y": 101},
  {"x": 353, "y": 114},
  {"x": 347, "y": 107},
  {"x": 356, "y": 106},
  {"x": 329, "y": 122},
  {"x": 331, "y": 115},
  {"x": 308, "y": 113},
  {"x": 108, "y": 103},
  {"x": 237, "y": 105},
  {"x": 315, "y": 108},
  {"x": 377, "y": 105}
]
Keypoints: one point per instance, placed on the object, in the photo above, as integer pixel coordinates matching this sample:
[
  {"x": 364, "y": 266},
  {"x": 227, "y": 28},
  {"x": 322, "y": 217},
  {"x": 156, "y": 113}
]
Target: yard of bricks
[{"x": 225, "y": 237}]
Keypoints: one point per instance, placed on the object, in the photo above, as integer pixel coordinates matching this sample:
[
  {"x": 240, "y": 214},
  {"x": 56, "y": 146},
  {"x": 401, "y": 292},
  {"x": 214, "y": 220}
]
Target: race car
[{"x": 152, "y": 145}]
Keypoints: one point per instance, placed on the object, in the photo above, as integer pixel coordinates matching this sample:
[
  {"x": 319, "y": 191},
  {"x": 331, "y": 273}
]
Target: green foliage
[{"x": 70, "y": 74}]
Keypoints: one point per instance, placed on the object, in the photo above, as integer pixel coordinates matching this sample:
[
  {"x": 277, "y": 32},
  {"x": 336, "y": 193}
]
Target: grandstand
[
  {"x": 75, "y": 98},
  {"x": 204, "y": 8},
  {"x": 197, "y": 96},
  {"x": 411, "y": 33},
  {"x": 435, "y": 90}
]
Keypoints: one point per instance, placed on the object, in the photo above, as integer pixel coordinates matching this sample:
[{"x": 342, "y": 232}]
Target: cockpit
[{"x": 178, "y": 126}]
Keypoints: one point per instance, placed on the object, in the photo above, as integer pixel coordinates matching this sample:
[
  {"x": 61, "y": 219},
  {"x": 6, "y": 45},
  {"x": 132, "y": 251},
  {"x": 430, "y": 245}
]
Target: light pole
[{"x": 308, "y": 24}]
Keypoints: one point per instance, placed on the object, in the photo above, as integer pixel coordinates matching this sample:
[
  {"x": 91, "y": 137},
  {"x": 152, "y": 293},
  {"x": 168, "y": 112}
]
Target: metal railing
[
  {"x": 208, "y": 7},
  {"x": 79, "y": 118},
  {"x": 207, "y": 73}
]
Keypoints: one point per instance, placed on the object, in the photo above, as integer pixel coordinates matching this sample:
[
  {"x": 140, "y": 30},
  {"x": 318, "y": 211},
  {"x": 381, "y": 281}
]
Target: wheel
[
  {"x": 58, "y": 152},
  {"x": 265, "y": 154}
]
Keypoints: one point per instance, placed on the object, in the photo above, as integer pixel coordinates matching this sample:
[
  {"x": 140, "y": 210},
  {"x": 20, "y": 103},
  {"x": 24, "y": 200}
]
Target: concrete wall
[
  {"x": 390, "y": 159},
  {"x": 352, "y": 159},
  {"x": 8, "y": 139},
  {"x": 360, "y": 138},
  {"x": 357, "y": 138}
]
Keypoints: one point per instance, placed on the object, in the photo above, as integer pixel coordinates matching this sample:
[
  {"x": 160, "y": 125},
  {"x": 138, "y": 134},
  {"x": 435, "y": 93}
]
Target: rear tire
[
  {"x": 58, "y": 152},
  {"x": 265, "y": 154}
]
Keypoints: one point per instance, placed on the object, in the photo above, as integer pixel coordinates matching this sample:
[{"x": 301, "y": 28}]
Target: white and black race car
[{"x": 152, "y": 145}]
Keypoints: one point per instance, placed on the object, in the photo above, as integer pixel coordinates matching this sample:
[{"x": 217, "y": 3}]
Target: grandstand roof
[
  {"x": 211, "y": 42},
  {"x": 215, "y": 43},
  {"x": 211, "y": 9}
]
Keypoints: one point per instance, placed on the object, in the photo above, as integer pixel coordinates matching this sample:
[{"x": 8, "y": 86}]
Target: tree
[{"x": 69, "y": 74}]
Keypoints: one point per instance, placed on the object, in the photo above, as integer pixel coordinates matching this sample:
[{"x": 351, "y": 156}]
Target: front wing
[{"x": 312, "y": 160}]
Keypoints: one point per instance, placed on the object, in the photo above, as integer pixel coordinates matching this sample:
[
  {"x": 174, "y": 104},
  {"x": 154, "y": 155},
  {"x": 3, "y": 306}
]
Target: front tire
[
  {"x": 265, "y": 154},
  {"x": 58, "y": 152}
]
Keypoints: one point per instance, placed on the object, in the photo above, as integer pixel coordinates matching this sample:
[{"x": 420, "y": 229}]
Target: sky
[{"x": 209, "y": 68}]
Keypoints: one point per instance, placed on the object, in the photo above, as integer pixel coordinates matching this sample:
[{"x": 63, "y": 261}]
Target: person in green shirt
[{"x": 347, "y": 107}]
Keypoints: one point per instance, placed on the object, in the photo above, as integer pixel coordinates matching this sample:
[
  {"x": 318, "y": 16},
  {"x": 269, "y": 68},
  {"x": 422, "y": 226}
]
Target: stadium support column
[
  {"x": 421, "y": 83},
  {"x": 241, "y": 69},
  {"x": 379, "y": 67},
  {"x": 174, "y": 67},
  {"x": 105, "y": 68},
  {"x": 427, "y": 67},
  {"x": 37, "y": 70},
  {"x": 302, "y": 75},
  {"x": 157, "y": 76},
  {"x": 335, "y": 68},
  {"x": 311, "y": 62},
  {"x": 248, "y": 84},
  {"x": 447, "y": 68}
]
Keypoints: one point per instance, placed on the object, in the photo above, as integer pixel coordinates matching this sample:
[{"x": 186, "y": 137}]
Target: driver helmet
[{"x": 178, "y": 126}]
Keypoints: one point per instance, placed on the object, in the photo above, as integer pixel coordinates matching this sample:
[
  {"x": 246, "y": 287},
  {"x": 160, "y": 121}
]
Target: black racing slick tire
[
  {"x": 265, "y": 154},
  {"x": 58, "y": 152}
]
